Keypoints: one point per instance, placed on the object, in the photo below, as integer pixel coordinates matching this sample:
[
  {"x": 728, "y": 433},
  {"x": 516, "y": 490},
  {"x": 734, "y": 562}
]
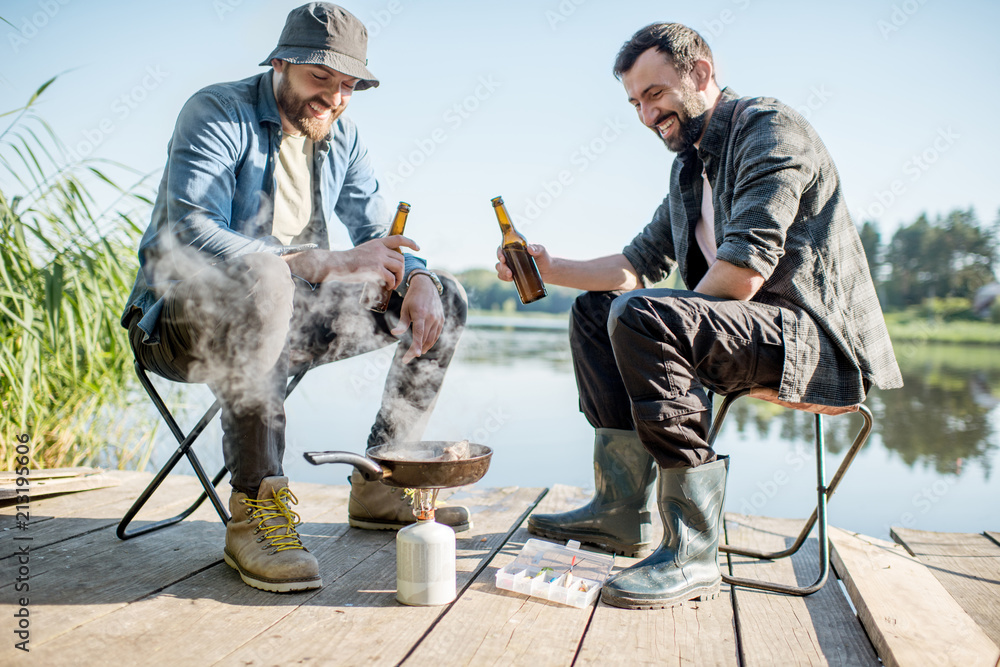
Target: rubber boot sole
[
  {"x": 591, "y": 540},
  {"x": 700, "y": 593},
  {"x": 371, "y": 524},
  {"x": 272, "y": 585}
]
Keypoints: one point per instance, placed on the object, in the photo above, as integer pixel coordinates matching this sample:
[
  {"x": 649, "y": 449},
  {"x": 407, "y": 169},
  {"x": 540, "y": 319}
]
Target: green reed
[{"x": 66, "y": 265}]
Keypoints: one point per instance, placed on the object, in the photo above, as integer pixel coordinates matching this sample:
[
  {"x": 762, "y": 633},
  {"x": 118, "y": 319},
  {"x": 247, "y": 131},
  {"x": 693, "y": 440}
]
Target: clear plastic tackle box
[{"x": 563, "y": 574}]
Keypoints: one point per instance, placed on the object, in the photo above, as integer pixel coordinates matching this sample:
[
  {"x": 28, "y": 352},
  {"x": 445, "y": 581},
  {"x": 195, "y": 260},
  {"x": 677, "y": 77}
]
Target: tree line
[{"x": 949, "y": 257}]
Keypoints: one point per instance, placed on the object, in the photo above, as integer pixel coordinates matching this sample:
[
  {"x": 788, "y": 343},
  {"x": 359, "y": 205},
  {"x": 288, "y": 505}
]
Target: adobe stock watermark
[
  {"x": 224, "y": 7},
  {"x": 899, "y": 16},
  {"x": 924, "y": 500},
  {"x": 494, "y": 421},
  {"x": 561, "y": 13},
  {"x": 29, "y": 26},
  {"x": 768, "y": 489},
  {"x": 453, "y": 119},
  {"x": 914, "y": 169},
  {"x": 21, "y": 557},
  {"x": 817, "y": 99},
  {"x": 121, "y": 108},
  {"x": 381, "y": 18},
  {"x": 725, "y": 18},
  {"x": 582, "y": 158}
]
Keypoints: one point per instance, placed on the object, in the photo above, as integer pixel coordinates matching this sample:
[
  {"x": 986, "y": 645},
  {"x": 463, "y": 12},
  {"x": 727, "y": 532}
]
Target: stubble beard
[{"x": 297, "y": 112}]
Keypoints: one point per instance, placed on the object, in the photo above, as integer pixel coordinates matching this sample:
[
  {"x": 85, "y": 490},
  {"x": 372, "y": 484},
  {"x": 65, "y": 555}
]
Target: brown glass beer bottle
[
  {"x": 376, "y": 295},
  {"x": 515, "y": 251}
]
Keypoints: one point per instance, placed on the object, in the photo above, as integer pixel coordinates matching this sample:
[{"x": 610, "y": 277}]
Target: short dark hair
[{"x": 680, "y": 44}]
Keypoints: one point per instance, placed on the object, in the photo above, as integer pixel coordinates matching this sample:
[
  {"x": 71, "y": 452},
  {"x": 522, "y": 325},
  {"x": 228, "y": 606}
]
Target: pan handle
[{"x": 370, "y": 470}]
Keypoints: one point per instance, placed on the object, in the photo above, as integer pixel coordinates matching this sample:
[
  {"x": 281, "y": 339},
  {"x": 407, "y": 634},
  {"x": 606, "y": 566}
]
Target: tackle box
[{"x": 563, "y": 574}]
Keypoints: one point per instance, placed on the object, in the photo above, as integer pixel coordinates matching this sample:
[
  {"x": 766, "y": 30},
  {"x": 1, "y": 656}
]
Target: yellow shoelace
[{"x": 276, "y": 508}]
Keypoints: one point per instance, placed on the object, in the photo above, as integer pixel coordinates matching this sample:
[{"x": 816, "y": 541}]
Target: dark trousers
[
  {"x": 648, "y": 360},
  {"x": 243, "y": 326}
]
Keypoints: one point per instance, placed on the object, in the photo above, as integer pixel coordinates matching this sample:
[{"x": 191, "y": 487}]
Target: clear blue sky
[{"x": 481, "y": 99}]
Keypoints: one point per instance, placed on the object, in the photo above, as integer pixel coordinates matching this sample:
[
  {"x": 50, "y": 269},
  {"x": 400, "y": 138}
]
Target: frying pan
[{"x": 397, "y": 465}]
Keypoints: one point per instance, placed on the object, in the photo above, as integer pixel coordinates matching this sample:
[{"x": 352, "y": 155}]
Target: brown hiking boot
[
  {"x": 376, "y": 506},
  {"x": 261, "y": 542}
]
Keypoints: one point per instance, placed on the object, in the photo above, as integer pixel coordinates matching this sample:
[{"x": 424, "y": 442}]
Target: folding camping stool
[
  {"x": 183, "y": 450},
  {"x": 823, "y": 491}
]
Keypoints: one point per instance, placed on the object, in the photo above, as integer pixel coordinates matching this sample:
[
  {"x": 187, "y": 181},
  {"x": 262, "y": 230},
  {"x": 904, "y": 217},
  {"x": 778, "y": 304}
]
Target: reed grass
[{"x": 66, "y": 266}]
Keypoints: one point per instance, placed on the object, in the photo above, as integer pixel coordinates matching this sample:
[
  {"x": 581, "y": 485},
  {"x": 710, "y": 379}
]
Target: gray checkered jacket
[{"x": 779, "y": 210}]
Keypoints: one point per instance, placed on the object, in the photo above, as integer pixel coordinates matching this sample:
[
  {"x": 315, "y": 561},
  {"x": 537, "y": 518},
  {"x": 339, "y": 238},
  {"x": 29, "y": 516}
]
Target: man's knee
[
  {"x": 272, "y": 290},
  {"x": 635, "y": 309}
]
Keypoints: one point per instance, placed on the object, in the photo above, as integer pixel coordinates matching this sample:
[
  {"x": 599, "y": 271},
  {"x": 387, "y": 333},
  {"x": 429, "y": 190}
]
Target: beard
[
  {"x": 690, "y": 121},
  {"x": 298, "y": 113}
]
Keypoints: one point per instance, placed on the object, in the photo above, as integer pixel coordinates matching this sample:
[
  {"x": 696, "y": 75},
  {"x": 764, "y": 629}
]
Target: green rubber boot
[
  {"x": 619, "y": 518},
  {"x": 686, "y": 565}
]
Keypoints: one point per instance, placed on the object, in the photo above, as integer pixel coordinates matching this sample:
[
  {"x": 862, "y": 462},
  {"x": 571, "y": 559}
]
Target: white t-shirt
[{"x": 293, "y": 177}]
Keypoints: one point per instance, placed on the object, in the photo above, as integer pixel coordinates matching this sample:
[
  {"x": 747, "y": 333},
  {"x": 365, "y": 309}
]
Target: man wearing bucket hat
[{"x": 238, "y": 286}]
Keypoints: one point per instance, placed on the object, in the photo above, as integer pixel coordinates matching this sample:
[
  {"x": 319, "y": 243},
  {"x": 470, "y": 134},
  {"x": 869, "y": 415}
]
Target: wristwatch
[{"x": 429, "y": 274}]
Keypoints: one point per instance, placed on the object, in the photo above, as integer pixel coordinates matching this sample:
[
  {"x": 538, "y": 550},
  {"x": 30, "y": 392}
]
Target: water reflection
[
  {"x": 506, "y": 346},
  {"x": 943, "y": 415},
  {"x": 943, "y": 418}
]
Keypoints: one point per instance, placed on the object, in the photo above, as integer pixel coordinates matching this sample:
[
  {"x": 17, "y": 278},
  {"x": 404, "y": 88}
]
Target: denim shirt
[
  {"x": 780, "y": 211},
  {"x": 214, "y": 199}
]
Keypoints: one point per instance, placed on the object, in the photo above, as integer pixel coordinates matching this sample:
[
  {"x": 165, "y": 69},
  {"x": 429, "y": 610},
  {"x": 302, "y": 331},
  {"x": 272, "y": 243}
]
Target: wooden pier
[{"x": 169, "y": 599}]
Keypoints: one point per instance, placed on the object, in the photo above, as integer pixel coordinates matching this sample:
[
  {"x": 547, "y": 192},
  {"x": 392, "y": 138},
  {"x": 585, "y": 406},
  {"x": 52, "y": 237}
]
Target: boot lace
[{"x": 281, "y": 536}]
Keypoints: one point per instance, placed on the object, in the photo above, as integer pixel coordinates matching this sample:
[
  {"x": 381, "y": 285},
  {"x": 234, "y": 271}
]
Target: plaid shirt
[{"x": 779, "y": 210}]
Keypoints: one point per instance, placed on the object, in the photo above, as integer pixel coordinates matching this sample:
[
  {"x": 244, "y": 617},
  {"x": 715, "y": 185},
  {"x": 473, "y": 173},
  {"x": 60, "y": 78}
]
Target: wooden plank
[
  {"x": 698, "y": 633},
  {"x": 776, "y": 629},
  {"x": 38, "y": 488},
  {"x": 909, "y": 616},
  {"x": 492, "y": 626},
  {"x": 7, "y": 476},
  {"x": 202, "y": 617},
  {"x": 356, "y": 619},
  {"x": 83, "y": 578},
  {"x": 60, "y": 518},
  {"x": 967, "y": 565},
  {"x": 993, "y": 536}
]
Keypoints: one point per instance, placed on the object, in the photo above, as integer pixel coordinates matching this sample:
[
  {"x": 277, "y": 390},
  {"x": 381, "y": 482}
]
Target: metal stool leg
[
  {"x": 183, "y": 450},
  {"x": 823, "y": 494}
]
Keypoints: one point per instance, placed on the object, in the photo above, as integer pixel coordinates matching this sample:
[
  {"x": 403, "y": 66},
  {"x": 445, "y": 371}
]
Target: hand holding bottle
[
  {"x": 541, "y": 256},
  {"x": 517, "y": 259}
]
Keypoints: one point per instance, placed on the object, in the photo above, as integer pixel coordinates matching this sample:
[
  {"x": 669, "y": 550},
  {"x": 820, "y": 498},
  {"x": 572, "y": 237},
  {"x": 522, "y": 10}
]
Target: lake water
[{"x": 929, "y": 464}]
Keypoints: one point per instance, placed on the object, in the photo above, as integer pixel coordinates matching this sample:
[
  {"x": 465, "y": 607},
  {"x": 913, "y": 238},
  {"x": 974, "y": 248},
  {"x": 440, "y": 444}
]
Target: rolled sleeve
[{"x": 775, "y": 163}]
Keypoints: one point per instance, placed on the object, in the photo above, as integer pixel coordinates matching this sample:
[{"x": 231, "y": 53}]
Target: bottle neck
[
  {"x": 510, "y": 235},
  {"x": 398, "y": 223}
]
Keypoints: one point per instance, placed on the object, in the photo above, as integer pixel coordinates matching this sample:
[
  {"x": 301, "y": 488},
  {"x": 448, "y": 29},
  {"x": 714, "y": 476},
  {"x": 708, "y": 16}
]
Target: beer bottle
[
  {"x": 376, "y": 295},
  {"x": 515, "y": 251}
]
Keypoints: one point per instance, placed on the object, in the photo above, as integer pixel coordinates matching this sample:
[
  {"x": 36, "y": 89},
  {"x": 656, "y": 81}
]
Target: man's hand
[
  {"x": 542, "y": 260},
  {"x": 373, "y": 261},
  {"x": 602, "y": 274},
  {"x": 423, "y": 310}
]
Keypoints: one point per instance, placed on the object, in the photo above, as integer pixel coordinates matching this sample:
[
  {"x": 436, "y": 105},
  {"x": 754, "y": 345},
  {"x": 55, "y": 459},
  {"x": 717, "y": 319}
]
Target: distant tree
[
  {"x": 952, "y": 256},
  {"x": 871, "y": 241},
  {"x": 487, "y": 292}
]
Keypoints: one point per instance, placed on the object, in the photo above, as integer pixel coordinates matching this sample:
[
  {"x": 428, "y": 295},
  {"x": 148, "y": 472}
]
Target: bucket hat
[{"x": 323, "y": 34}]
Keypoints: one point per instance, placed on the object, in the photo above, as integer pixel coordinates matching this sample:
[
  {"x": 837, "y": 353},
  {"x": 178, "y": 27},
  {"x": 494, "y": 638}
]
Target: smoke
[{"x": 245, "y": 323}]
